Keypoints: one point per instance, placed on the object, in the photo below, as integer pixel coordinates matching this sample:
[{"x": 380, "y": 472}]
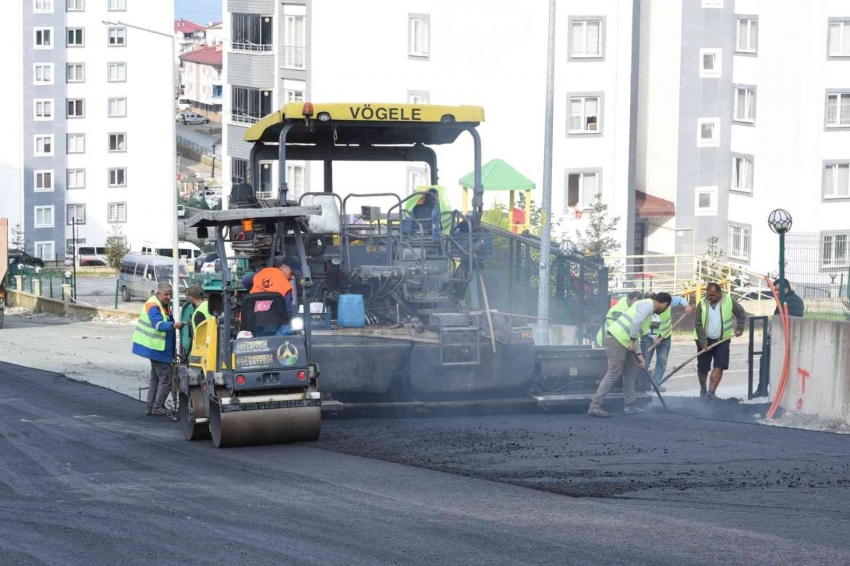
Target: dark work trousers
[{"x": 159, "y": 386}]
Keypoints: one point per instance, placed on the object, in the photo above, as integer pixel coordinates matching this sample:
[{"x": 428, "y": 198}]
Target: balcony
[
  {"x": 247, "y": 47},
  {"x": 293, "y": 57}
]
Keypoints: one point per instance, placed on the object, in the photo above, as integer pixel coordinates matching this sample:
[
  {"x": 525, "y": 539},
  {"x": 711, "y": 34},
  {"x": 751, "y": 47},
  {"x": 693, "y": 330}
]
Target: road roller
[{"x": 244, "y": 387}]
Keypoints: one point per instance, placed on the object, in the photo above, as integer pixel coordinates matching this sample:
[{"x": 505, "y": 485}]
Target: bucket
[{"x": 351, "y": 312}]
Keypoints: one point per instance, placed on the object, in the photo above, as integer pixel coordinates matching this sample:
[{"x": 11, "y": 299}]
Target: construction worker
[
  {"x": 276, "y": 280},
  {"x": 714, "y": 322},
  {"x": 195, "y": 294},
  {"x": 660, "y": 335},
  {"x": 624, "y": 357},
  {"x": 614, "y": 313},
  {"x": 796, "y": 307},
  {"x": 154, "y": 340}
]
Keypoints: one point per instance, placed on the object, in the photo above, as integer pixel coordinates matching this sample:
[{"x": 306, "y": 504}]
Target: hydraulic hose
[{"x": 786, "y": 327}]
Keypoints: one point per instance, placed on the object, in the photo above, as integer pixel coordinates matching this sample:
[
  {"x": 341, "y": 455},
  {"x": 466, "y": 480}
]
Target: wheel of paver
[
  {"x": 191, "y": 409},
  {"x": 125, "y": 294},
  {"x": 265, "y": 426}
]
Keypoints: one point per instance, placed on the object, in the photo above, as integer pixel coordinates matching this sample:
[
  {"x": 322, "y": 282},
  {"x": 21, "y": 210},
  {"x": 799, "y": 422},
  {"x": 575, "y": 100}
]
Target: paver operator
[
  {"x": 621, "y": 345},
  {"x": 275, "y": 280},
  {"x": 661, "y": 334},
  {"x": 154, "y": 340},
  {"x": 714, "y": 323}
]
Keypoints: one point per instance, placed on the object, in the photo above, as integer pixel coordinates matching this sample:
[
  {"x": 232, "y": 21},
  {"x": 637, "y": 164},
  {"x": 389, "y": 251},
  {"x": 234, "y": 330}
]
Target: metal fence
[{"x": 818, "y": 267}]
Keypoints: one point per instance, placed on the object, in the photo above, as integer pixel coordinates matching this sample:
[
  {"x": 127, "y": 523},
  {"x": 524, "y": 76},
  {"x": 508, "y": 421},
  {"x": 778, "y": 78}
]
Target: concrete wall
[
  {"x": 54, "y": 306},
  {"x": 819, "y": 372}
]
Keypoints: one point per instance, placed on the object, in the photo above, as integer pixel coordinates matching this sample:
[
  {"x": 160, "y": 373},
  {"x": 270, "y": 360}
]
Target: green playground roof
[{"x": 496, "y": 175}]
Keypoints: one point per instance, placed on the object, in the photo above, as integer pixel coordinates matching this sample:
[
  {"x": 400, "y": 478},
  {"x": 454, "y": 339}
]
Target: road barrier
[
  {"x": 818, "y": 382},
  {"x": 40, "y": 304}
]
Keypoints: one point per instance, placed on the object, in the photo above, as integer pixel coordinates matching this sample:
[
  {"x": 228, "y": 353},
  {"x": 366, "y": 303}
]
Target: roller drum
[{"x": 264, "y": 426}]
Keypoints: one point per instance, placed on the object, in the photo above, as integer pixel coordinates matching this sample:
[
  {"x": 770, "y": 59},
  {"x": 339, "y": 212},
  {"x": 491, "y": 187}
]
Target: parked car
[
  {"x": 140, "y": 273},
  {"x": 181, "y": 211},
  {"x": 203, "y": 195},
  {"x": 204, "y": 260},
  {"x": 18, "y": 257},
  {"x": 187, "y": 250},
  {"x": 193, "y": 118}
]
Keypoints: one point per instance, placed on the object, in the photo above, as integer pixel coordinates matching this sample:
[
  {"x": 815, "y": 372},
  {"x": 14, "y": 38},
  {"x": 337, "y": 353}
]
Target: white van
[{"x": 187, "y": 250}]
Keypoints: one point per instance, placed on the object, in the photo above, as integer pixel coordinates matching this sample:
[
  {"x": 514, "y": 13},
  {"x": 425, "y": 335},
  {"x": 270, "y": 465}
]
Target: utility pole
[{"x": 542, "y": 337}]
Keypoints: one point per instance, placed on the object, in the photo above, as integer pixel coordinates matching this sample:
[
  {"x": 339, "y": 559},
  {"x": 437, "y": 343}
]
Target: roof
[
  {"x": 496, "y": 175},
  {"x": 369, "y": 123},
  {"x": 649, "y": 206},
  {"x": 204, "y": 56},
  {"x": 271, "y": 214},
  {"x": 187, "y": 26}
]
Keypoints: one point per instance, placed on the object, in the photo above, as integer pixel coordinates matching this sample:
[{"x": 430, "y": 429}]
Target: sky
[{"x": 199, "y": 11}]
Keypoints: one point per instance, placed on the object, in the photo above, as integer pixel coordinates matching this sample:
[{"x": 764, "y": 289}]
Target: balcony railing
[
  {"x": 244, "y": 118},
  {"x": 251, "y": 47},
  {"x": 294, "y": 57}
]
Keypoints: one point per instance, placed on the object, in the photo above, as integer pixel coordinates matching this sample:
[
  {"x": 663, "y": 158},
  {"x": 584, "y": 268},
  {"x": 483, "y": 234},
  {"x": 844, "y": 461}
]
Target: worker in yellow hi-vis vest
[
  {"x": 717, "y": 315},
  {"x": 623, "y": 350}
]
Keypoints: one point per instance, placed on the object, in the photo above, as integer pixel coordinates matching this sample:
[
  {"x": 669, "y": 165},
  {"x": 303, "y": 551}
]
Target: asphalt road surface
[{"x": 85, "y": 479}]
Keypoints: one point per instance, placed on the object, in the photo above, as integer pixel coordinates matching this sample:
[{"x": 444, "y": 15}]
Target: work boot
[
  {"x": 703, "y": 393},
  {"x": 156, "y": 412},
  {"x": 710, "y": 396},
  {"x": 633, "y": 409},
  {"x": 598, "y": 412}
]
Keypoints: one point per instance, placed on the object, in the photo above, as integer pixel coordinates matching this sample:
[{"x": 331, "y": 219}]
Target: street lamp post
[
  {"x": 175, "y": 278},
  {"x": 780, "y": 223},
  {"x": 74, "y": 256}
]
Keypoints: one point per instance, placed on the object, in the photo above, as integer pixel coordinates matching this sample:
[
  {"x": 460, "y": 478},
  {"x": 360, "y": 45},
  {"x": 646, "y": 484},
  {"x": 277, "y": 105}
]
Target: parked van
[
  {"x": 140, "y": 273},
  {"x": 192, "y": 118},
  {"x": 188, "y": 251},
  {"x": 90, "y": 255}
]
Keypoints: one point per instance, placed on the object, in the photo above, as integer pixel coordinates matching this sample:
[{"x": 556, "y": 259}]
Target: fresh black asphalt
[{"x": 86, "y": 479}]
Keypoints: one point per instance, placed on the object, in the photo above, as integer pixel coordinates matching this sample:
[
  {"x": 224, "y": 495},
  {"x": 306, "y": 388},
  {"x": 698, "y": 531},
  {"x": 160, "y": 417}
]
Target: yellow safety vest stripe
[
  {"x": 621, "y": 328},
  {"x": 726, "y": 317},
  {"x": 145, "y": 333}
]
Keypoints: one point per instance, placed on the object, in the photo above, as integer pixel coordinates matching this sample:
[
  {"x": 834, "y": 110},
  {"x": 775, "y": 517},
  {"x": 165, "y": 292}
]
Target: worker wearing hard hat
[{"x": 624, "y": 357}]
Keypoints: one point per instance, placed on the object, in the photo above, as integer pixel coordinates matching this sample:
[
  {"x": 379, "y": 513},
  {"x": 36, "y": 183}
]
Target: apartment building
[
  {"x": 201, "y": 80},
  {"x": 446, "y": 52},
  {"x": 188, "y": 35},
  {"x": 87, "y": 132},
  {"x": 745, "y": 108}
]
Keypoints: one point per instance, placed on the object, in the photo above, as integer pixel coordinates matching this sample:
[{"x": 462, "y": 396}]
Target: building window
[
  {"x": 417, "y": 177},
  {"x": 264, "y": 190},
  {"x": 118, "y": 177},
  {"x": 76, "y": 143},
  {"x": 710, "y": 63},
  {"x": 75, "y": 211},
  {"x": 585, "y": 114},
  {"x": 43, "y": 181},
  {"x": 838, "y": 110},
  {"x": 117, "y": 72},
  {"x": 45, "y": 250},
  {"x": 295, "y": 174},
  {"x": 586, "y": 38},
  {"x": 44, "y": 217},
  {"x": 117, "y": 37},
  {"x": 76, "y": 108},
  {"x": 747, "y": 40},
  {"x": 248, "y": 105},
  {"x": 582, "y": 187},
  {"x": 76, "y": 179},
  {"x": 117, "y": 142},
  {"x": 76, "y": 5},
  {"x": 117, "y": 107},
  {"x": 836, "y": 180},
  {"x": 745, "y": 104},
  {"x": 742, "y": 174},
  {"x": 43, "y": 38},
  {"x": 76, "y": 37},
  {"x": 294, "y": 91},
  {"x": 835, "y": 250},
  {"x": 739, "y": 242},
  {"x": 238, "y": 171},
  {"x": 294, "y": 40},
  {"x": 42, "y": 6},
  {"x": 250, "y": 32},
  {"x": 42, "y": 74},
  {"x": 43, "y": 109},
  {"x": 418, "y": 97},
  {"x": 839, "y": 38},
  {"x": 76, "y": 72},
  {"x": 419, "y": 36},
  {"x": 708, "y": 132},
  {"x": 43, "y": 145},
  {"x": 712, "y": 3},
  {"x": 705, "y": 201},
  {"x": 117, "y": 5},
  {"x": 117, "y": 212}
]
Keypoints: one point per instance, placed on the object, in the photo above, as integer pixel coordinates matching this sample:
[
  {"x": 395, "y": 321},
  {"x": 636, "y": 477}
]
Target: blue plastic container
[{"x": 351, "y": 312}]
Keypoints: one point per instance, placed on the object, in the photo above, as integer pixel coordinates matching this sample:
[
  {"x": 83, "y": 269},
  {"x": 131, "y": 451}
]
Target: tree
[
  {"x": 713, "y": 251},
  {"x": 18, "y": 241},
  {"x": 713, "y": 254},
  {"x": 597, "y": 239},
  {"x": 116, "y": 247}
]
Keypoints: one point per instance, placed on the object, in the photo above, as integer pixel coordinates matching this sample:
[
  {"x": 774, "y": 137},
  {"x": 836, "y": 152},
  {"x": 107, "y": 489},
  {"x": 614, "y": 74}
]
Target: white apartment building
[
  {"x": 745, "y": 108},
  {"x": 201, "y": 80},
  {"x": 87, "y": 129},
  {"x": 448, "y": 52},
  {"x": 188, "y": 35}
]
